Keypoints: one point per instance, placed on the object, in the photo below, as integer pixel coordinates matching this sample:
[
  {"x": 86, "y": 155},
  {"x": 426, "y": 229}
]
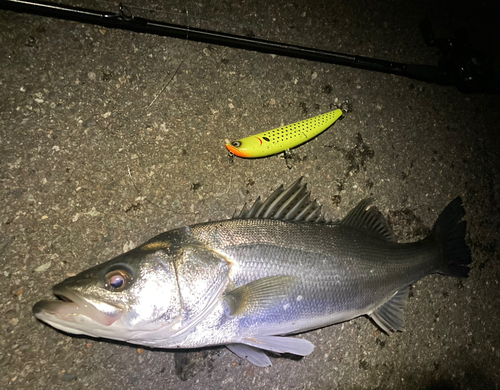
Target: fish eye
[
  {"x": 236, "y": 144},
  {"x": 117, "y": 280}
]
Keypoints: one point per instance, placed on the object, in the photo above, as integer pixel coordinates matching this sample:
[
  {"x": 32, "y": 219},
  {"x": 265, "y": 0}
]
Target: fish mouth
[{"x": 73, "y": 308}]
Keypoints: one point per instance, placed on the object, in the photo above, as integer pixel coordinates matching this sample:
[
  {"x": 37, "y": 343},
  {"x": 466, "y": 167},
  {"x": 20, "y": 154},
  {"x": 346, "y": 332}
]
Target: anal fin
[
  {"x": 280, "y": 344},
  {"x": 390, "y": 316},
  {"x": 253, "y": 355}
]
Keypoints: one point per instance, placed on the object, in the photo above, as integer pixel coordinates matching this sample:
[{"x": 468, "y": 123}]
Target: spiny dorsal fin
[
  {"x": 291, "y": 204},
  {"x": 370, "y": 220}
]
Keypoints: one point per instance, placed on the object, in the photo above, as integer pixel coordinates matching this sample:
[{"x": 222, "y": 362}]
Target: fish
[
  {"x": 256, "y": 280},
  {"x": 283, "y": 138}
]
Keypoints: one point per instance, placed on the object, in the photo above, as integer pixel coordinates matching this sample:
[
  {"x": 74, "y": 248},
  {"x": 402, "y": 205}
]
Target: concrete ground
[{"x": 77, "y": 115}]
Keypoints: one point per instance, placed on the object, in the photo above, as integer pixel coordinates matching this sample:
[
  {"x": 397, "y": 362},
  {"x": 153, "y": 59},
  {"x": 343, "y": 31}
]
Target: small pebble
[
  {"x": 89, "y": 123},
  {"x": 43, "y": 267},
  {"x": 67, "y": 377},
  {"x": 140, "y": 350}
]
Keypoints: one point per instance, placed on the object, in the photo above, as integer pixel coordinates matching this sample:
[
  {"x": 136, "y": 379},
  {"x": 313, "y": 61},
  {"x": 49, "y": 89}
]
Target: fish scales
[{"x": 334, "y": 275}]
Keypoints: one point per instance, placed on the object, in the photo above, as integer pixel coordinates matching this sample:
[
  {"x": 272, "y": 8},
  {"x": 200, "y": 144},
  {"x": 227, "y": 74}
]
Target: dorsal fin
[
  {"x": 291, "y": 204},
  {"x": 369, "y": 220}
]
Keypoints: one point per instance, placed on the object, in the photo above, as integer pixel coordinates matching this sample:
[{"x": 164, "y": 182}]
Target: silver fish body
[
  {"x": 338, "y": 274},
  {"x": 248, "y": 281}
]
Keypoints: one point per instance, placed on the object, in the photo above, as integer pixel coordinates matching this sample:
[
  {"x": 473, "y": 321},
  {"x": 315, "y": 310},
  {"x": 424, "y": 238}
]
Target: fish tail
[{"x": 449, "y": 231}]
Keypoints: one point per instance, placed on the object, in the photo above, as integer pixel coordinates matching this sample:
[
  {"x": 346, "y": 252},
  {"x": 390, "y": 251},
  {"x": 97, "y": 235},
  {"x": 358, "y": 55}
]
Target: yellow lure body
[{"x": 287, "y": 137}]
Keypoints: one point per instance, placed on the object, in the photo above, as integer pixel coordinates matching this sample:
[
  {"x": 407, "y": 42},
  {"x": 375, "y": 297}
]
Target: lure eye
[
  {"x": 117, "y": 280},
  {"x": 236, "y": 144}
]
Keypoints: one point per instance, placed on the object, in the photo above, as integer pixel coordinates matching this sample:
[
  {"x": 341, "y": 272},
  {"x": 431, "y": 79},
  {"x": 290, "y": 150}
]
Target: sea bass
[{"x": 274, "y": 269}]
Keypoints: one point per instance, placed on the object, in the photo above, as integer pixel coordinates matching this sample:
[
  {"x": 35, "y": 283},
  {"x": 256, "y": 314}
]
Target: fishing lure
[{"x": 283, "y": 138}]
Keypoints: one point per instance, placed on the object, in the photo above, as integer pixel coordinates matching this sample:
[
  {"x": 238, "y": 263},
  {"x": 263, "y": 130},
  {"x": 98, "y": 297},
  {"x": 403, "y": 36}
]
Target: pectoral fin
[
  {"x": 390, "y": 316},
  {"x": 253, "y": 355},
  {"x": 259, "y": 295}
]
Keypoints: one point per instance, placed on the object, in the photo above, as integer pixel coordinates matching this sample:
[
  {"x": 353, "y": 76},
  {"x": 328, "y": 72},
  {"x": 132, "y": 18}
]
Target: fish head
[{"x": 133, "y": 297}]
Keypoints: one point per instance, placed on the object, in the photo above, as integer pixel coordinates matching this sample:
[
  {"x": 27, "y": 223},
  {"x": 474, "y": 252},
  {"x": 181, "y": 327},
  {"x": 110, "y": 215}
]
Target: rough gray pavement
[{"x": 90, "y": 168}]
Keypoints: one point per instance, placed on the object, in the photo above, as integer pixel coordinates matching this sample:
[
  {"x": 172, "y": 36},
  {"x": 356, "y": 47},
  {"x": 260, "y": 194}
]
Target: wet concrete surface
[{"x": 90, "y": 168}]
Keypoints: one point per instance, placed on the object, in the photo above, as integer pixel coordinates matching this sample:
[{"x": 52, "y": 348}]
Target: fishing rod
[{"x": 460, "y": 65}]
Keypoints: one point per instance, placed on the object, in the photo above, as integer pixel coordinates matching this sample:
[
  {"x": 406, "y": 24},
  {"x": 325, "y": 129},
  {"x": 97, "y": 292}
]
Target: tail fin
[{"x": 449, "y": 230}]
